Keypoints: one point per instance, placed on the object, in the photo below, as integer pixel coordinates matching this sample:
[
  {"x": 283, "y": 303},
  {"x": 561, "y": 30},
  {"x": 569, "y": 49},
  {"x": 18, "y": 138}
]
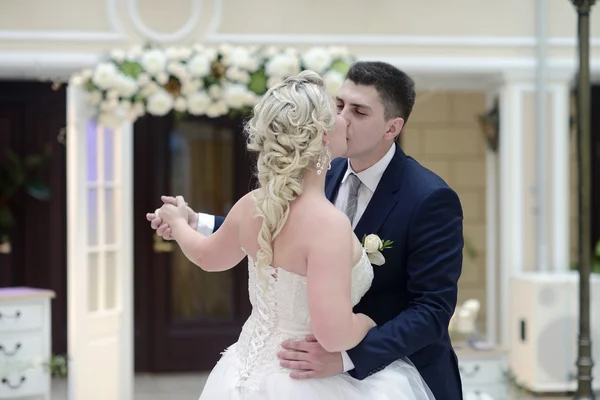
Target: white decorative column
[
  {"x": 511, "y": 219},
  {"x": 491, "y": 236},
  {"x": 560, "y": 173}
]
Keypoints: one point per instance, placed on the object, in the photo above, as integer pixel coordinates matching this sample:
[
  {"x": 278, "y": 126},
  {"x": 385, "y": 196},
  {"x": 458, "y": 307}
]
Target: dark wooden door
[
  {"x": 595, "y": 133},
  {"x": 185, "y": 317},
  {"x": 32, "y": 116}
]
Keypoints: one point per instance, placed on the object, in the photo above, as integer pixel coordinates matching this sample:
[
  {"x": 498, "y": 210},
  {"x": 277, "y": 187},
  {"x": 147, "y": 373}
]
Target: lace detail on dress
[{"x": 280, "y": 312}]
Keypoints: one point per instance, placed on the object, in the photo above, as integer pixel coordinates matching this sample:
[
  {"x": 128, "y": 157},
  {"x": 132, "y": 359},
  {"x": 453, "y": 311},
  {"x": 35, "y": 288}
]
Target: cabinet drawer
[
  {"x": 21, "y": 317},
  {"x": 22, "y": 348},
  {"x": 486, "y": 392},
  {"x": 31, "y": 382},
  {"x": 474, "y": 372}
]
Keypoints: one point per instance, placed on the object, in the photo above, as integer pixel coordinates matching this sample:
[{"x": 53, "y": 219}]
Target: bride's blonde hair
[{"x": 287, "y": 132}]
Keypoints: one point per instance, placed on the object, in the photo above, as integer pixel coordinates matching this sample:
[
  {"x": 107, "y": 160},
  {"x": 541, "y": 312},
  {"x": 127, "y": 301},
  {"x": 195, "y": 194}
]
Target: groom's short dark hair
[{"x": 396, "y": 89}]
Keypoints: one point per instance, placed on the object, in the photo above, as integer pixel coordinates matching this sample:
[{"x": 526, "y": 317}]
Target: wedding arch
[{"x": 103, "y": 102}]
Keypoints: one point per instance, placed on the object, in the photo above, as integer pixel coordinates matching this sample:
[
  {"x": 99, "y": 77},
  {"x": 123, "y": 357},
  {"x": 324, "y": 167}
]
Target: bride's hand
[{"x": 174, "y": 215}]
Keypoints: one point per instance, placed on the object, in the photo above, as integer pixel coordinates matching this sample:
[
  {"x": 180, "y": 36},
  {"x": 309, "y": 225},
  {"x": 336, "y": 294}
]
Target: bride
[{"x": 306, "y": 267}]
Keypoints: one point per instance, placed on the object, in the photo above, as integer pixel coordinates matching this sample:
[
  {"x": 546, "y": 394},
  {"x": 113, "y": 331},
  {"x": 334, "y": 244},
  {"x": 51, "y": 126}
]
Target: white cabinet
[
  {"x": 483, "y": 373},
  {"x": 25, "y": 344}
]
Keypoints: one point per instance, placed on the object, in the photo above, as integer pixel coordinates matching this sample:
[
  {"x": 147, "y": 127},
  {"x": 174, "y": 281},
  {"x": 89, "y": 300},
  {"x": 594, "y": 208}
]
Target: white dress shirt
[{"x": 369, "y": 179}]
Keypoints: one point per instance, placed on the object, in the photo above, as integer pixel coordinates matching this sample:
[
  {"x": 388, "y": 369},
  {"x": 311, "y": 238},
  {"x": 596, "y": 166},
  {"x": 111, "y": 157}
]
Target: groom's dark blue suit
[{"x": 414, "y": 293}]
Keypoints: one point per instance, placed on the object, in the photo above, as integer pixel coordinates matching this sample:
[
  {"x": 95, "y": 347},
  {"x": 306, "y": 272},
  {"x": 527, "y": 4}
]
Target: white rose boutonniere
[{"x": 373, "y": 246}]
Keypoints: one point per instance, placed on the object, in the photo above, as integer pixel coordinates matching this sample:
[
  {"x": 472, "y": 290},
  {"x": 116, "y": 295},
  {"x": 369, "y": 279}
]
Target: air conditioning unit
[{"x": 544, "y": 327}]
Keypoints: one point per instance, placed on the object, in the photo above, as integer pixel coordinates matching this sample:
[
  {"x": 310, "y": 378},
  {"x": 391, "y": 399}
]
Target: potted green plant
[
  {"x": 595, "y": 260},
  {"x": 18, "y": 174}
]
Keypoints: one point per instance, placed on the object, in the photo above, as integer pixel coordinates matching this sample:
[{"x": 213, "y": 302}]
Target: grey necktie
[{"x": 351, "y": 205}]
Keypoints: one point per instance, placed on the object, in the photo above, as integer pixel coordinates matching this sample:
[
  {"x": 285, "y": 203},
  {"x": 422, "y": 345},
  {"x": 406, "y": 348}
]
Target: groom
[{"x": 414, "y": 293}]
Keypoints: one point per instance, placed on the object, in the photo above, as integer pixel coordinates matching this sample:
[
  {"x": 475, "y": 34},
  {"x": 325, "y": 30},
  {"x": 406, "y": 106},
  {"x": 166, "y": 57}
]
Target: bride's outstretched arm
[
  {"x": 217, "y": 252},
  {"x": 329, "y": 272}
]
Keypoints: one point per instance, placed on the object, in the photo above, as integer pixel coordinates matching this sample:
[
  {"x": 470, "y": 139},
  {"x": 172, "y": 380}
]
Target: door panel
[
  {"x": 187, "y": 316},
  {"x": 100, "y": 258}
]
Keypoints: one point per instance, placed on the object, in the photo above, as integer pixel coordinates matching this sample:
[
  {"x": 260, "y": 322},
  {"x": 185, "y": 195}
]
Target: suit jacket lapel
[
  {"x": 384, "y": 199},
  {"x": 334, "y": 178}
]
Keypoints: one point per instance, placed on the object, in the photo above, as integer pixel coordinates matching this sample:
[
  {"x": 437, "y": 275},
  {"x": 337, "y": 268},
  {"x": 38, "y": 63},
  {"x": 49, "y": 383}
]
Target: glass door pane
[{"x": 201, "y": 168}]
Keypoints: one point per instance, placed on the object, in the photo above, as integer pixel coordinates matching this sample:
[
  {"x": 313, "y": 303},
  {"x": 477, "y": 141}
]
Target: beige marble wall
[
  {"x": 443, "y": 134},
  {"x": 442, "y": 28}
]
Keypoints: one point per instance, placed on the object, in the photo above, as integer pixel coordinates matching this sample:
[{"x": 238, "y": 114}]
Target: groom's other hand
[
  {"x": 162, "y": 229},
  {"x": 309, "y": 359}
]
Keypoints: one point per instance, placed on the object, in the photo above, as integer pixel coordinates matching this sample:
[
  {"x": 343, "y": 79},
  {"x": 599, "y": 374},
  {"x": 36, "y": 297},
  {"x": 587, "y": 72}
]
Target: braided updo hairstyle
[{"x": 287, "y": 132}]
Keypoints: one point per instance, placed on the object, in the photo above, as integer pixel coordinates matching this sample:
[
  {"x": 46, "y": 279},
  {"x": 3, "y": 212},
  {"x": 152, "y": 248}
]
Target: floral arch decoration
[{"x": 198, "y": 80}]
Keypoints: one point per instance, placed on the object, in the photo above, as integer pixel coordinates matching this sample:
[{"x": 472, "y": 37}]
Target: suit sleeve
[
  {"x": 434, "y": 264},
  {"x": 218, "y": 222},
  {"x": 208, "y": 223}
]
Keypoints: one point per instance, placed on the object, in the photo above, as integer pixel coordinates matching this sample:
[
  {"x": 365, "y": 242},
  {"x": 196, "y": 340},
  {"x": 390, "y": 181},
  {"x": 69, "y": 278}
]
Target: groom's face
[{"x": 361, "y": 106}]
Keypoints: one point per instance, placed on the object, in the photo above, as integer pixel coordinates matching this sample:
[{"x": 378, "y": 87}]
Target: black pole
[{"x": 584, "y": 359}]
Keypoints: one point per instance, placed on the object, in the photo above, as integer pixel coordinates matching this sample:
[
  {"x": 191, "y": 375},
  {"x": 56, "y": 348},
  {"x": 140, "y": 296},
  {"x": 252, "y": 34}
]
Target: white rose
[
  {"x": 274, "y": 80},
  {"x": 237, "y": 96},
  {"x": 76, "y": 80},
  {"x": 241, "y": 58},
  {"x": 215, "y": 92},
  {"x": 172, "y": 53},
  {"x": 191, "y": 86},
  {"x": 109, "y": 105},
  {"x": 225, "y": 49},
  {"x": 118, "y": 55},
  {"x": 143, "y": 79},
  {"x": 154, "y": 61},
  {"x": 210, "y": 54},
  {"x": 237, "y": 75},
  {"x": 160, "y": 103},
  {"x": 112, "y": 94},
  {"x": 110, "y": 120},
  {"x": 334, "y": 81},
  {"x": 134, "y": 53},
  {"x": 317, "y": 59},
  {"x": 199, "y": 66},
  {"x": 198, "y": 48},
  {"x": 338, "y": 52},
  {"x": 180, "y": 104},
  {"x": 125, "y": 105},
  {"x": 138, "y": 109},
  {"x": 198, "y": 103},
  {"x": 87, "y": 74},
  {"x": 126, "y": 86},
  {"x": 162, "y": 78},
  {"x": 270, "y": 51},
  {"x": 216, "y": 109},
  {"x": 149, "y": 89},
  {"x": 94, "y": 98},
  {"x": 283, "y": 65},
  {"x": 105, "y": 75},
  {"x": 372, "y": 243}
]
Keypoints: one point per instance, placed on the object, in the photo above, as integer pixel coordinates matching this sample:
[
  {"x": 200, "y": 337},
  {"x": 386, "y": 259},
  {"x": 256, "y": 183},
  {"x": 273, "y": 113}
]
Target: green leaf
[
  {"x": 35, "y": 160},
  {"x": 6, "y": 219},
  {"x": 597, "y": 249},
  {"x": 38, "y": 190},
  {"x": 131, "y": 69},
  {"x": 340, "y": 66},
  {"x": 89, "y": 86},
  {"x": 258, "y": 82}
]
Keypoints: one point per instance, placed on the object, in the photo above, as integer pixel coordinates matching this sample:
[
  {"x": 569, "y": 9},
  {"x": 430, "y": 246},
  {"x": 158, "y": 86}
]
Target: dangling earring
[{"x": 324, "y": 159}]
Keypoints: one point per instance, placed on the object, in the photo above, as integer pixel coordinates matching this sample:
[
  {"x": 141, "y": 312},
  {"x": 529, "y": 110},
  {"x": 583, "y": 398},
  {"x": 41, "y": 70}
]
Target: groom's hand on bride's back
[
  {"x": 163, "y": 229},
  {"x": 309, "y": 359}
]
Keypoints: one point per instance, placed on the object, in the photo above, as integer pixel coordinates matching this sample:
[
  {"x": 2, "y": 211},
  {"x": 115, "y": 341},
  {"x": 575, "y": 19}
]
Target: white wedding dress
[{"x": 250, "y": 370}]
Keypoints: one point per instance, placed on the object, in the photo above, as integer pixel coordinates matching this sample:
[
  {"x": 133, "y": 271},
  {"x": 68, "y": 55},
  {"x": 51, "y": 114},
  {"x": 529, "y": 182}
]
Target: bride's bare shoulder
[{"x": 320, "y": 213}]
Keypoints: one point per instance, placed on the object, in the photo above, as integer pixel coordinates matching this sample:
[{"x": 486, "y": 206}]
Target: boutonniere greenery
[{"x": 374, "y": 246}]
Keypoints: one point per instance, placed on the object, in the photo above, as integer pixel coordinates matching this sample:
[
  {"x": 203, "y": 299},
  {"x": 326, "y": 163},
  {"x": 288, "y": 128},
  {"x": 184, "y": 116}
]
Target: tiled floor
[{"x": 189, "y": 386}]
